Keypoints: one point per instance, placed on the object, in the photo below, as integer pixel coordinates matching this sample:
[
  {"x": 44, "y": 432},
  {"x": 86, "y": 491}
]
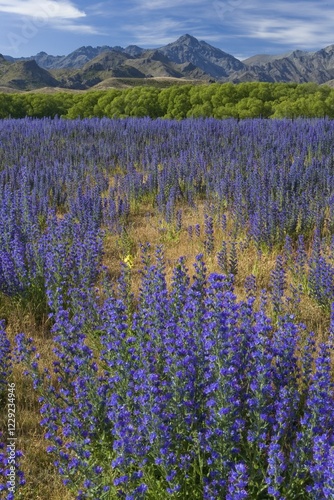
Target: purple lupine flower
[
  {"x": 301, "y": 258},
  {"x": 5, "y": 358},
  {"x": 316, "y": 421},
  {"x": 284, "y": 346},
  {"x": 233, "y": 259},
  {"x": 278, "y": 284},
  {"x": 197, "y": 230},
  {"x": 223, "y": 417},
  {"x": 209, "y": 236},
  {"x": 71, "y": 415},
  {"x": 178, "y": 220},
  {"x": 288, "y": 250},
  {"x": 322, "y": 468},
  {"x": 276, "y": 469},
  {"x": 250, "y": 286},
  {"x": 9, "y": 485},
  {"x": 321, "y": 280},
  {"x": 222, "y": 258},
  {"x": 237, "y": 483},
  {"x": 224, "y": 222},
  {"x": 320, "y": 404}
]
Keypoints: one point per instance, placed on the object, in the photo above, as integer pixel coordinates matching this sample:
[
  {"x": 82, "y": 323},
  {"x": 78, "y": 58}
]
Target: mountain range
[{"x": 187, "y": 58}]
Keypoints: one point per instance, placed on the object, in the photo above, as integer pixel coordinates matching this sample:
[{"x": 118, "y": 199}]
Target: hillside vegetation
[{"x": 245, "y": 100}]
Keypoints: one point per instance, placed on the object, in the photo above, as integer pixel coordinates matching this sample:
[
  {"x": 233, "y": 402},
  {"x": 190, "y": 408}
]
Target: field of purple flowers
[{"x": 154, "y": 381}]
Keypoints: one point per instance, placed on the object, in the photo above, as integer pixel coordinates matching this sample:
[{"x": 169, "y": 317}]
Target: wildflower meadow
[{"x": 166, "y": 309}]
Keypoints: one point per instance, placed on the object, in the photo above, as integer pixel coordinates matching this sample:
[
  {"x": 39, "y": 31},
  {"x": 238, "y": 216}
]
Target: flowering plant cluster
[
  {"x": 183, "y": 391},
  {"x": 195, "y": 392},
  {"x": 274, "y": 176},
  {"x": 54, "y": 200},
  {"x": 8, "y": 459}
]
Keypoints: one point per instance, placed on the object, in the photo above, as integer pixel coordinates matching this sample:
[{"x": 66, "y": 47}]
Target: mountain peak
[
  {"x": 187, "y": 39},
  {"x": 29, "y": 64},
  {"x": 213, "y": 61},
  {"x": 27, "y": 75},
  {"x": 133, "y": 50}
]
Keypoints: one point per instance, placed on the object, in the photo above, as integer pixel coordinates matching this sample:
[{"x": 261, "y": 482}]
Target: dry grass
[
  {"x": 42, "y": 479},
  {"x": 142, "y": 229}
]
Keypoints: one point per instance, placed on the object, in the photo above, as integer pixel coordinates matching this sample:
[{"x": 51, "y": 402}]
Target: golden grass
[{"x": 142, "y": 229}]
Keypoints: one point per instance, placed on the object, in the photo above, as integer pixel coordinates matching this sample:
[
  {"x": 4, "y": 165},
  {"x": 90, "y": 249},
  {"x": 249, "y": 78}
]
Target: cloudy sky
[{"x": 240, "y": 27}]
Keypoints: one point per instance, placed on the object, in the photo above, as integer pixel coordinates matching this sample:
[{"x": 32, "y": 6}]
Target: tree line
[{"x": 227, "y": 100}]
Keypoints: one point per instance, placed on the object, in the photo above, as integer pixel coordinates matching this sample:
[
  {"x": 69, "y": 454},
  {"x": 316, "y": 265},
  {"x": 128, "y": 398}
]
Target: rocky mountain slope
[
  {"x": 297, "y": 66},
  {"x": 24, "y": 75},
  {"x": 212, "y": 61},
  {"x": 186, "y": 58}
]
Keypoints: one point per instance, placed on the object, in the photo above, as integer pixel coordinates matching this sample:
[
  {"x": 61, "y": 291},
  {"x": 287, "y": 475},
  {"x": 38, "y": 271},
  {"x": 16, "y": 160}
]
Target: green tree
[
  {"x": 142, "y": 101},
  {"x": 224, "y": 94},
  {"x": 250, "y": 107},
  {"x": 200, "y": 100},
  {"x": 40, "y": 105},
  {"x": 5, "y": 105},
  {"x": 175, "y": 101},
  {"x": 262, "y": 91},
  {"x": 116, "y": 108},
  {"x": 102, "y": 106},
  {"x": 329, "y": 102},
  {"x": 19, "y": 106},
  {"x": 84, "y": 105}
]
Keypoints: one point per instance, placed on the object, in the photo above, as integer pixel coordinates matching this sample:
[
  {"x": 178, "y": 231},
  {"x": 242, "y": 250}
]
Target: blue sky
[{"x": 240, "y": 27}]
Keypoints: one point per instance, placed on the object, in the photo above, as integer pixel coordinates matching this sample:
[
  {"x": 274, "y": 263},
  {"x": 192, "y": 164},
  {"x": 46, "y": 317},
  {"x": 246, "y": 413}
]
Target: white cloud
[
  {"x": 105, "y": 9},
  {"x": 233, "y": 25},
  {"x": 155, "y": 33},
  {"x": 22, "y": 21},
  {"x": 158, "y": 22},
  {"x": 166, "y": 4},
  {"x": 97, "y": 9},
  {"x": 84, "y": 29},
  {"x": 299, "y": 24},
  {"x": 51, "y": 9},
  {"x": 295, "y": 24}
]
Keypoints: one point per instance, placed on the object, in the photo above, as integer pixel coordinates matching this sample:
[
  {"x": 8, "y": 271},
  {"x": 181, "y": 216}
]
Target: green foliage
[
  {"x": 18, "y": 105},
  {"x": 104, "y": 103},
  {"x": 175, "y": 101},
  {"x": 84, "y": 106},
  {"x": 5, "y": 105},
  {"x": 42, "y": 105},
  {"x": 219, "y": 100}
]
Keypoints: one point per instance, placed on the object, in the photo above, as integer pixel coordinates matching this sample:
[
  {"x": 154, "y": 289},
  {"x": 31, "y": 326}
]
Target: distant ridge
[
  {"x": 26, "y": 75},
  {"x": 186, "y": 58}
]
